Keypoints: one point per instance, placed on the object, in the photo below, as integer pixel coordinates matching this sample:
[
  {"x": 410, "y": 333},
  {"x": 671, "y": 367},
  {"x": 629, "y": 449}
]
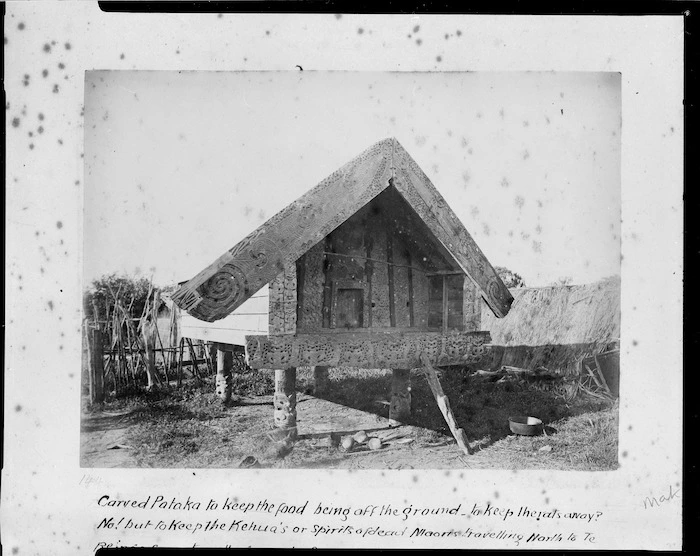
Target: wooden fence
[{"x": 124, "y": 353}]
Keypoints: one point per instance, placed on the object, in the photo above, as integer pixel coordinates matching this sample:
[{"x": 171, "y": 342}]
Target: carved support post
[
  {"x": 224, "y": 364},
  {"x": 400, "y": 407},
  {"x": 320, "y": 380},
  {"x": 285, "y": 400}
]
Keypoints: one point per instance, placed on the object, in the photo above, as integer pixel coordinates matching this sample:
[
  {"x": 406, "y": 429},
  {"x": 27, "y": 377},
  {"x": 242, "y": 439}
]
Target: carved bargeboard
[
  {"x": 256, "y": 260},
  {"x": 370, "y": 351}
]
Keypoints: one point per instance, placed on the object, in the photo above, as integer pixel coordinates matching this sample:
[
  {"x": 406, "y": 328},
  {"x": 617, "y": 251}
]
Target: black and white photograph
[
  {"x": 457, "y": 307},
  {"x": 342, "y": 280}
]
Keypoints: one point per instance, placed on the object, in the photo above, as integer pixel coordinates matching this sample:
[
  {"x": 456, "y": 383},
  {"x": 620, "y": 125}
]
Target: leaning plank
[
  {"x": 365, "y": 350},
  {"x": 444, "y": 404}
]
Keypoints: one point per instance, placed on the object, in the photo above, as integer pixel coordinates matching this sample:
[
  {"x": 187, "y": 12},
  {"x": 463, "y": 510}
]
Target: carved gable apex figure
[{"x": 374, "y": 245}]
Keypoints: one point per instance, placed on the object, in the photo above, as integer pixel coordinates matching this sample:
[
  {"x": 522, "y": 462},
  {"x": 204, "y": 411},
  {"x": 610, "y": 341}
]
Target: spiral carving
[
  {"x": 494, "y": 290},
  {"x": 222, "y": 291}
]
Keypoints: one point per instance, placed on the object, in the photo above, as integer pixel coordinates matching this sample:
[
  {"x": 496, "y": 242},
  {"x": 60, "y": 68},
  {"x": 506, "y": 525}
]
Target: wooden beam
[
  {"x": 320, "y": 380},
  {"x": 390, "y": 272},
  {"x": 224, "y": 379},
  {"x": 285, "y": 400},
  {"x": 432, "y": 208},
  {"x": 411, "y": 317},
  {"x": 392, "y": 350},
  {"x": 444, "y": 404},
  {"x": 96, "y": 367},
  {"x": 400, "y": 405}
]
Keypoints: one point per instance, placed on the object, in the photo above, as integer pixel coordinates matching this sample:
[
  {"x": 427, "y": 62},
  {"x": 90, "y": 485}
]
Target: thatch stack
[{"x": 555, "y": 327}]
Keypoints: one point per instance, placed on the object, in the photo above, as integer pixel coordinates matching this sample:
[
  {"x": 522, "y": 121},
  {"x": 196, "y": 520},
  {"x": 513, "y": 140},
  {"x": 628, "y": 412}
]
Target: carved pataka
[{"x": 369, "y": 351}]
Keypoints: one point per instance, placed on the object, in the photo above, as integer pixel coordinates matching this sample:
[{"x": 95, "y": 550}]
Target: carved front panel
[{"x": 370, "y": 351}]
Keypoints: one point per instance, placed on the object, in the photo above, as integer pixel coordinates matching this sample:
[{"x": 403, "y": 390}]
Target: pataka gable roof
[{"x": 258, "y": 258}]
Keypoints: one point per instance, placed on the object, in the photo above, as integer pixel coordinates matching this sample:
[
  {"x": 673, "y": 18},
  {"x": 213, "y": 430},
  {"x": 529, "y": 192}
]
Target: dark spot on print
[
  {"x": 44, "y": 73},
  {"x": 338, "y": 16},
  {"x": 526, "y": 154},
  {"x": 41, "y": 116},
  {"x": 18, "y": 408},
  {"x": 60, "y": 141},
  {"x": 47, "y": 47},
  {"x": 61, "y": 65},
  {"x": 635, "y": 343},
  {"x": 121, "y": 56},
  {"x": 50, "y": 304},
  {"x": 25, "y": 80},
  {"x": 219, "y": 16},
  {"x": 67, "y": 45},
  {"x": 59, "y": 224},
  {"x": 416, "y": 28},
  {"x": 536, "y": 246},
  {"x": 487, "y": 229},
  {"x": 15, "y": 122},
  {"x": 438, "y": 58},
  {"x": 360, "y": 30},
  {"x": 31, "y": 146},
  {"x": 40, "y": 129},
  {"x": 415, "y": 478},
  {"x": 267, "y": 32},
  {"x": 20, "y": 26},
  {"x": 505, "y": 182},
  {"x": 459, "y": 33},
  {"x": 31, "y": 134},
  {"x": 55, "y": 87},
  {"x": 624, "y": 454},
  {"x": 526, "y": 123},
  {"x": 519, "y": 201},
  {"x": 562, "y": 111},
  {"x": 419, "y": 42},
  {"x": 561, "y": 95}
]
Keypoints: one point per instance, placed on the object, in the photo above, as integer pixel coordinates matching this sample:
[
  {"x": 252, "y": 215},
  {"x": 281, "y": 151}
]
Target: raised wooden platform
[{"x": 391, "y": 350}]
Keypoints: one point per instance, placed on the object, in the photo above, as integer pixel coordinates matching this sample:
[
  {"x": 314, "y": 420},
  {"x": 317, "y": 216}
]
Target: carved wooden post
[
  {"x": 400, "y": 407},
  {"x": 224, "y": 364},
  {"x": 320, "y": 380},
  {"x": 285, "y": 400},
  {"x": 96, "y": 368}
]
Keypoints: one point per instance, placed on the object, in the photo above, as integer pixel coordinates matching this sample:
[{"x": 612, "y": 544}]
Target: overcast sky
[{"x": 181, "y": 166}]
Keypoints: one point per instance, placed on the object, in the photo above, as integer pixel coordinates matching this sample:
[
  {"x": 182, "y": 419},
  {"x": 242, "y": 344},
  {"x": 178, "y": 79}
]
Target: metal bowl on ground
[{"x": 528, "y": 426}]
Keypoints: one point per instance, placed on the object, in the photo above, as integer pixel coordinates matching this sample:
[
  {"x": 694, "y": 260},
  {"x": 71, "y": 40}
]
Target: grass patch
[{"x": 190, "y": 427}]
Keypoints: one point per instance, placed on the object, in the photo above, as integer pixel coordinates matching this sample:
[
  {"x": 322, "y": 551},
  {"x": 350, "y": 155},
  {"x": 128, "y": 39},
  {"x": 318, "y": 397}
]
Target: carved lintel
[{"x": 391, "y": 350}]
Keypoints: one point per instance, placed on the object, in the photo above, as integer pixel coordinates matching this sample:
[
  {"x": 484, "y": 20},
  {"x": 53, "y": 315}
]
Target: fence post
[{"x": 97, "y": 367}]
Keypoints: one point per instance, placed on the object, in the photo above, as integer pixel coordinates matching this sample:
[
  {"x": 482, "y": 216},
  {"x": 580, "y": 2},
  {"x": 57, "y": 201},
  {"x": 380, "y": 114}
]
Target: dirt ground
[{"x": 111, "y": 439}]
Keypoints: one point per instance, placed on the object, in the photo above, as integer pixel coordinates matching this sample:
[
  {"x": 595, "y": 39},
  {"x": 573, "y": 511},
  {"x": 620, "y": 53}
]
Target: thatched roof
[{"x": 556, "y": 326}]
